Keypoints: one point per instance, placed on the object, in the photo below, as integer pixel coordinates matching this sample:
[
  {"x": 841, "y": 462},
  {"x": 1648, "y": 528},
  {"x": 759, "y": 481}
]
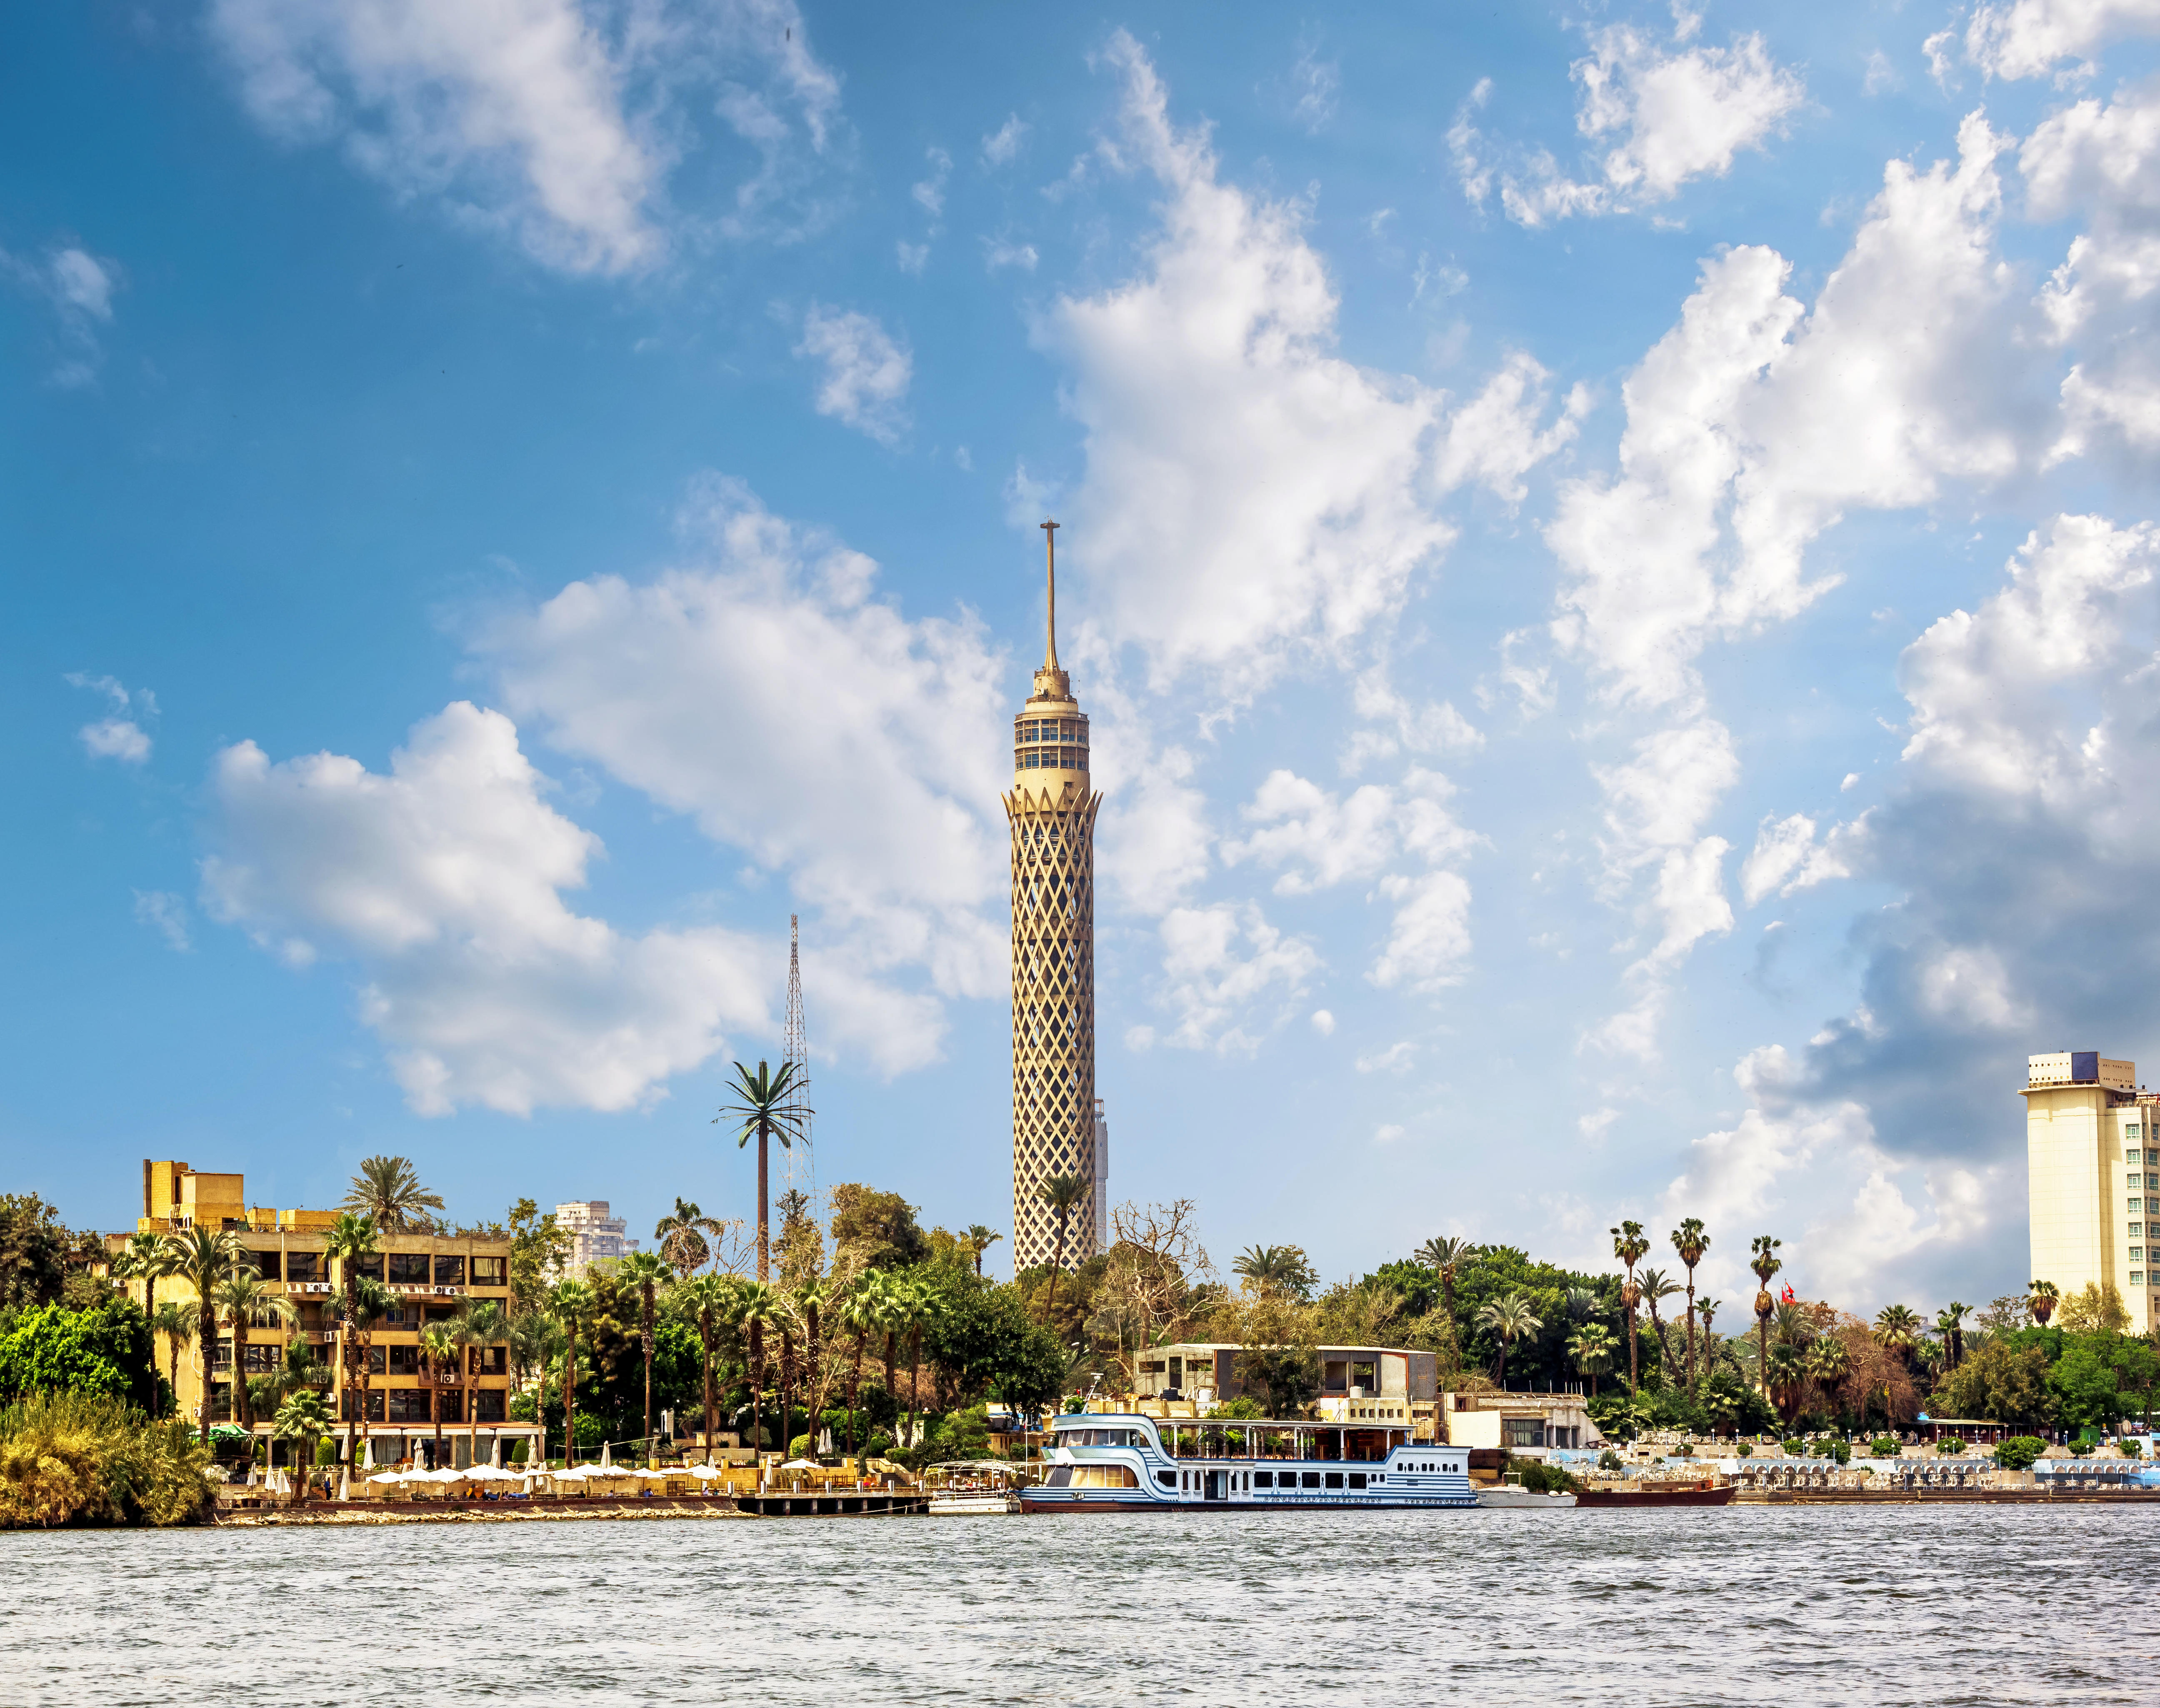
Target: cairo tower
[{"x": 1051, "y": 811}]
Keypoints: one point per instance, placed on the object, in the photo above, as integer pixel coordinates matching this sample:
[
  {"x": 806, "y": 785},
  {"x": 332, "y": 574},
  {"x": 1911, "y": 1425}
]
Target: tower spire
[{"x": 1050, "y": 540}]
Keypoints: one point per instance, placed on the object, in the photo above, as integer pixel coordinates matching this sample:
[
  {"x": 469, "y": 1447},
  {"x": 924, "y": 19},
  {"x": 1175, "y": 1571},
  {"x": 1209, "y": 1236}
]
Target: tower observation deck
[{"x": 1051, "y": 812}]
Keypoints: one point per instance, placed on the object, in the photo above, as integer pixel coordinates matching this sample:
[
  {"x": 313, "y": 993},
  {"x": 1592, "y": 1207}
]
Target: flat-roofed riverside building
[
  {"x": 1391, "y": 1385},
  {"x": 1519, "y": 1423},
  {"x": 2092, "y": 1170},
  {"x": 429, "y": 1277}
]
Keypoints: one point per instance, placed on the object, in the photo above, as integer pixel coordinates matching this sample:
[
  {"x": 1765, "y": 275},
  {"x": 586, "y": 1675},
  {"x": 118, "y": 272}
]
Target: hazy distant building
[
  {"x": 1051, "y": 812},
  {"x": 595, "y": 1235},
  {"x": 2092, "y": 1166},
  {"x": 1101, "y": 1178}
]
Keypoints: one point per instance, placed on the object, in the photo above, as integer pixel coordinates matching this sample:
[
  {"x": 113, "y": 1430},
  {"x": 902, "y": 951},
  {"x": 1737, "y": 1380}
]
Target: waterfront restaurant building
[
  {"x": 1523, "y": 1424},
  {"x": 1389, "y": 1385},
  {"x": 429, "y": 1276},
  {"x": 2092, "y": 1166}
]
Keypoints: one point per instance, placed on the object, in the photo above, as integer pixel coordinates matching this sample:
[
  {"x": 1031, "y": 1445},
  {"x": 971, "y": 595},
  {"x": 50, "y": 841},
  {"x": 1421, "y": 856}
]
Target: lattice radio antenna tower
[{"x": 796, "y": 1049}]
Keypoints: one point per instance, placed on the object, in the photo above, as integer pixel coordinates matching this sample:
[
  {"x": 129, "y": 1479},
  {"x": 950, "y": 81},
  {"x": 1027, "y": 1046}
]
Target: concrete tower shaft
[{"x": 1051, "y": 814}]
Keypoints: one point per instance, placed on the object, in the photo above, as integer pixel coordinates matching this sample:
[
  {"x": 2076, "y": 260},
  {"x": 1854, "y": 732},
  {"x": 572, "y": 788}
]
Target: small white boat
[
  {"x": 1513, "y": 1494},
  {"x": 972, "y": 1488}
]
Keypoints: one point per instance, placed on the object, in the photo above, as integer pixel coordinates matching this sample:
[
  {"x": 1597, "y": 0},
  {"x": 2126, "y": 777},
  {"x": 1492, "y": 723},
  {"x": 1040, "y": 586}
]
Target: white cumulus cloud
[
  {"x": 2030, "y": 37},
  {"x": 866, "y": 370}
]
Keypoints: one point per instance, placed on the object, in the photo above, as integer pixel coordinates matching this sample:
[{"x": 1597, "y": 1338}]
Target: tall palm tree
[
  {"x": 922, "y": 1308},
  {"x": 387, "y": 1191},
  {"x": 1690, "y": 1242},
  {"x": 575, "y": 1301},
  {"x": 534, "y": 1337},
  {"x": 681, "y": 1233},
  {"x": 756, "y": 1309},
  {"x": 480, "y": 1324},
  {"x": 1949, "y": 1323},
  {"x": 1766, "y": 1263},
  {"x": 1061, "y": 1193},
  {"x": 304, "y": 1417},
  {"x": 148, "y": 1258},
  {"x": 202, "y": 1258},
  {"x": 1508, "y": 1316},
  {"x": 1592, "y": 1348},
  {"x": 978, "y": 1239},
  {"x": 811, "y": 1298},
  {"x": 349, "y": 1245},
  {"x": 862, "y": 1313},
  {"x": 1828, "y": 1363},
  {"x": 443, "y": 1352},
  {"x": 176, "y": 1323},
  {"x": 359, "y": 1305},
  {"x": 242, "y": 1298},
  {"x": 1897, "y": 1331},
  {"x": 1444, "y": 1254},
  {"x": 705, "y": 1301},
  {"x": 1655, "y": 1287},
  {"x": 1283, "y": 1269},
  {"x": 2043, "y": 1297},
  {"x": 1629, "y": 1245},
  {"x": 765, "y": 1106},
  {"x": 648, "y": 1271}
]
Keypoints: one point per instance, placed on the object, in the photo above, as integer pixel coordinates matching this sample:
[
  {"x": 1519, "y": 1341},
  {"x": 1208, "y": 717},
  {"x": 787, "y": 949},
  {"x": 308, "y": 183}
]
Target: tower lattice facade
[{"x": 1052, "y": 812}]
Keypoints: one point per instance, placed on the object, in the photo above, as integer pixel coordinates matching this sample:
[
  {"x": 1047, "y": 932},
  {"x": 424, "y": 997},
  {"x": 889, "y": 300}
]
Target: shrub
[
  {"x": 1794, "y": 1448},
  {"x": 90, "y": 1459},
  {"x": 1610, "y": 1460},
  {"x": 1952, "y": 1444},
  {"x": 326, "y": 1452},
  {"x": 520, "y": 1452},
  {"x": 1883, "y": 1446},
  {"x": 2019, "y": 1451},
  {"x": 1745, "y": 1450},
  {"x": 2131, "y": 1449},
  {"x": 1541, "y": 1478}
]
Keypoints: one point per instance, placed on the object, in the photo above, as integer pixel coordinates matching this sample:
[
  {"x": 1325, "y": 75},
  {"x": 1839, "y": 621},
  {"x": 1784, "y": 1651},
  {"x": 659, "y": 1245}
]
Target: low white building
[
  {"x": 1389, "y": 1385},
  {"x": 596, "y": 1235},
  {"x": 1526, "y": 1424}
]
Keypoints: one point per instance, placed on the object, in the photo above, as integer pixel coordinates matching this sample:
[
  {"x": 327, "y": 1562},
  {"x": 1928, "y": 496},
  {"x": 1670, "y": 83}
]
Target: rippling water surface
[{"x": 1750, "y": 1604}]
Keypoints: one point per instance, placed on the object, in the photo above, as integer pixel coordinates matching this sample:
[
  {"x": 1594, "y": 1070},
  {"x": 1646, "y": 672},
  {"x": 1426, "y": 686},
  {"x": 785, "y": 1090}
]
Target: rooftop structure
[
  {"x": 2092, "y": 1168},
  {"x": 1380, "y": 1386},
  {"x": 1520, "y": 1423}
]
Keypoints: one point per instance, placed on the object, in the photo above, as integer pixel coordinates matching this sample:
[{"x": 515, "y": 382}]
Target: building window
[
  {"x": 2131, "y": 1154},
  {"x": 304, "y": 1266},
  {"x": 2137, "y": 1253},
  {"x": 2137, "y": 1230},
  {"x": 2136, "y": 1207},
  {"x": 2137, "y": 1278},
  {"x": 488, "y": 1405},
  {"x": 408, "y": 1269},
  {"x": 490, "y": 1272},
  {"x": 450, "y": 1271},
  {"x": 409, "y": 1406}
]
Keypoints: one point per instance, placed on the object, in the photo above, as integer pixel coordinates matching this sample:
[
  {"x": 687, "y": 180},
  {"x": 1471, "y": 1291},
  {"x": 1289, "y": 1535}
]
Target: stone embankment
[{"x": 232, "y": 1515}]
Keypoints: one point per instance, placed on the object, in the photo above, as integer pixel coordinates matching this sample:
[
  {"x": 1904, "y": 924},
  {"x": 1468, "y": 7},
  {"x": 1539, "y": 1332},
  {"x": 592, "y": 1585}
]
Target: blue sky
[{"x": 1607, "y": 548}]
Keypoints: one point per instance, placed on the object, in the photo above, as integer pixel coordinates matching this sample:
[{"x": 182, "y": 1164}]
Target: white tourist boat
[
  {"x": 1512, "y": 1494},
  {"x": 1122, "y": 1463}
]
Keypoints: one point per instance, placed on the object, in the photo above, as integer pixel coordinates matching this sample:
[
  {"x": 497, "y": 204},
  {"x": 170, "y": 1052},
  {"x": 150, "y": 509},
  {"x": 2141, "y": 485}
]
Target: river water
[{"x": 1754, "y": 1605}]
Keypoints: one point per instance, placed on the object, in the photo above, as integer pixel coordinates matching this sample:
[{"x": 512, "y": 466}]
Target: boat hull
[
  {"x": 1655, "y": 1497},
  {"x": 1522, "y": 1498}
]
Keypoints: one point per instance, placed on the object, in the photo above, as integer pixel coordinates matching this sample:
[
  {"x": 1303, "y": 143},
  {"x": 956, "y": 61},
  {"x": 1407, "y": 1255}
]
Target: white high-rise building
[
  {"x": 2093, "y": 1170},
  {"x": 593, "y": 1233},
  {"x": 1102, "y": 1180}
]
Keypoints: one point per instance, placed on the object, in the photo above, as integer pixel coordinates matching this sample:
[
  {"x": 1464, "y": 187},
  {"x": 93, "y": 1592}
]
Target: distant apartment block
[
  {"x": 2093, "y": 1166},
  {"x": 596, "y": 1235}
]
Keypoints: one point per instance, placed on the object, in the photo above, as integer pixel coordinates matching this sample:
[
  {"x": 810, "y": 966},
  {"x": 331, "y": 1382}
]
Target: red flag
[{"x": 1786, "y": 1297}]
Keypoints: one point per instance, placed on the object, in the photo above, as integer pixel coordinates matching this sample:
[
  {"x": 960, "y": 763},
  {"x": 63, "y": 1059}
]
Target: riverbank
[{"x": 541, "y": 1510}]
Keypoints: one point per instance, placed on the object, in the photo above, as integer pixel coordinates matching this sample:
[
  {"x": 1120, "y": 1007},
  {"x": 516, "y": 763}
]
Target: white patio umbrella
[
  {"x": 495, "y": 1457},
  {"x": 607, "y": 1456}
]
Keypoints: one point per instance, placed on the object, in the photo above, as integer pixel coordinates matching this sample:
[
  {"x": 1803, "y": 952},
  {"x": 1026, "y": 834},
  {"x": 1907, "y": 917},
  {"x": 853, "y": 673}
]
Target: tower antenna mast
[
  {"x": 796, "y": 1049},
  {"x": 1050, "y": 539}
]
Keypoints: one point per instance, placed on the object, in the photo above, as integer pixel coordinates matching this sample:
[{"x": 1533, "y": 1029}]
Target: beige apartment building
[
  {"x": 429, "y": 1277},
  {"x": 2091, "y": 1167}
]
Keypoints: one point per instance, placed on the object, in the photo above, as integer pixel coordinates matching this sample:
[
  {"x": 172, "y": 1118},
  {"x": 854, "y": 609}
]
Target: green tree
[
  {"x": 147, "y": 1257},
  {"x": 706, "y": 1302},
  {"x": 757, "y": 1310},
  {"x": 1444, "y": 1254},
  {"x": 108, "y": 1350},
  {"x": 534, "y": 1339},
  {"x": 1061, "y": 1193},
  {"x": 538, "y": 1248},
  {"x": 203, "y": 1259},
  {"x": 979, "y": 1239},
  {"x": 441, "y": 1351},
  {"x": 1277, "y": 1268},
  {"x": 765, "y": 1107},
  {"x": 877, "y": 1230},
  {"x": 1949, "y": 1323},
  {"x": 305, "y": 1418},
  {"x": 575, "y": 1304},
  {"x": 1766, "y": 1263},
  {"x": 176, "y": 1323},
  {"x": 350, "y": 1247},
  {"x": 1510, "y": 1318},
  {"x": 681, "y": 1233},
  {"x": 1690, "y": 1242},
  {"x": 2045, "y": 1296},
  {"x": 388, "y": 1192},
  {"x": 1629, "y": 1245},
  {"x": 480, "y": 1324},
  {"x": 1656, "y": 1287},
  {"x": 33, "y": 1252}
]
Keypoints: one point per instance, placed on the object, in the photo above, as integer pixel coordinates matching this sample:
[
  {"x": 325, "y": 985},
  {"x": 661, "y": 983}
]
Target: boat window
[
  {"x": 1313, "y": 1479},
  {"x": 1100, "y": 1476},
  {"x": 1264, "y": 1479},
  {"x": 1168, "y": 1479},
  {"x": 1335, "y": 1479},
  {"x": 1059, "y": 1477},
  {"x": 1357, "y": 1479}
]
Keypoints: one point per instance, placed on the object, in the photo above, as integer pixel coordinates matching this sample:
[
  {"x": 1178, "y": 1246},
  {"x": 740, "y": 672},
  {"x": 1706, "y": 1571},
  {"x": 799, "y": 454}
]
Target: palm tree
[
  {"x": 243, "y": 1297},
  {"x": 1766, "y": 1263},
  {"x": 766, "y": 1104},
  {"x": 304, "y": 1417},
  {"x": 1591, "y": 1348},
  {"x": 387, "y": 1191},
  {"x": 978, "y": 1239},
  {"x": 757, "y": 1308},
  {"x": 1508, "y": 1316},
  {"x": 648, "y": 1271},
  {"x": 442, "y": 1352},
  {"x": 534, "y": 1337},
  {"x": 682, "y": 1236},
  {"x": 1444, "y": 1254},
  {"x": 202, "y": 1259},
  {"x": 176, "y": 1323},
  {"x": 811, "y": 1298},
  {"x": 862, "y": 1313},
  {"x": 147, "y": 1257},
  {"x": 575, "y": 1301},
  {"x": 1787, "y": 1375},
  {"x": 1829, "y": 1362},
  {"x": 706, "y": 1301},
  {"x": 1690, "y": 1242},
  {"x": 349, "y": 1245},
  {"x": 1629, "y": 1245},
  {"x": 1896, "y": 1329},
  {"x": 359, "y": 1305},
  {"x": 920, "y": 1308},
  {"x": 1949, "y": 1324},
  {"x": 1656, "y": 1288},
  {"x": 1061, "y": 1193},
  {"x": 1706, "y": 1308},
  {"x": 479, "y": 1325},
  {"x": 1275, "y": 1268},
  {"x": 2044, "y": 1296}
]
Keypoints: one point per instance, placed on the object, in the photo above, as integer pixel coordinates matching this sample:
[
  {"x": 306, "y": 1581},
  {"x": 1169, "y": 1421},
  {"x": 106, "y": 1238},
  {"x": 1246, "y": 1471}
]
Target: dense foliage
[
  {"x": 92, "y": 1459},
  {"x": 107, "y": 1350}
]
